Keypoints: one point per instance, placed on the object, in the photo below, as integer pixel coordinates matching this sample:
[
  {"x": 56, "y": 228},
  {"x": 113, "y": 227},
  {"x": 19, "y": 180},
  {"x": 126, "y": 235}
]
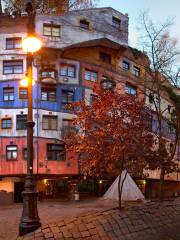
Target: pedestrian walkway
[{"x": 150, "y": 221}]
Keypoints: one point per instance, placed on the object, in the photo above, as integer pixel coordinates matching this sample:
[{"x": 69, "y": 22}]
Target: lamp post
[{"x": 30, "y": 220}]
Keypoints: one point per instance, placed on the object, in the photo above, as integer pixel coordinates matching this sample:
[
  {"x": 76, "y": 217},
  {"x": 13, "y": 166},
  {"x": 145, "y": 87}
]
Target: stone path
[
  {"x": 49, "y": 211},
  {"x": 151, "y": 221}
]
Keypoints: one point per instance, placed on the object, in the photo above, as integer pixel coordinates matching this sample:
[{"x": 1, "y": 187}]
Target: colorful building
[{"x": 80, "y": 48}]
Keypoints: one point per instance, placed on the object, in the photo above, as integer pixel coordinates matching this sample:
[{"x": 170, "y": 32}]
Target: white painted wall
[{"x": 101, "y": 27}]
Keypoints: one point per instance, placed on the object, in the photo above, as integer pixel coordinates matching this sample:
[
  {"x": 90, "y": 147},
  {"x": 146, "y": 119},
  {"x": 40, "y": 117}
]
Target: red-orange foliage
[{"x": 112, "y": 134}]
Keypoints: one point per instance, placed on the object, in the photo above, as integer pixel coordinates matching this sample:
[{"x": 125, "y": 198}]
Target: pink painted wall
[{"x": 18, "y": 167}]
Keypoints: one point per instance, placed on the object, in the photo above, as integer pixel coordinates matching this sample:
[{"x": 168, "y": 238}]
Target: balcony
[{"x": 48, "y": 76}]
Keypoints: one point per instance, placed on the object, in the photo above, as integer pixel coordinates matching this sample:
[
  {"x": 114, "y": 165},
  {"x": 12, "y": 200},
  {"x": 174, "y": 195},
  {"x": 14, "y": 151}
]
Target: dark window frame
[
  {"x": 48, "y": 73},
  {"x": 84, "y": 24},
  {"x": 126, "y": 65},
  {"x": 6, "y": 123},
  {"x": 91, "y": 74},
  {"x": 116, "y": 22},
  {"x": 56, "y": 154},
  {"x": 136, "y": 71},
  {"x": 21, "y": 123},
  {"x": 11, "y": 153},
  {"x": 9, "y": 93},
  {"x": 12, "y": 65},
  {"x": 131, "y": 88},
  {"x": 105, "y": 57},
  {"x": 49, "y": 93},
  {"x": 93, "y": 97},
  {"x": 67, "y": 70},
  {"x": 70, "y": 94},
  {"x": 13, "y": 40},
  {"x": 49, "y": 119},
  {"x": 22, "y": 95},
  {"x": 52, "y": 26}
]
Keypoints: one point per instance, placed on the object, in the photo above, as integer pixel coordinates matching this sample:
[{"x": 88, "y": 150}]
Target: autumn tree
[
  {"x": 161, "y": 80},
  {"x": 48, "y": 6},
  {"x": 112, "y": 135}
]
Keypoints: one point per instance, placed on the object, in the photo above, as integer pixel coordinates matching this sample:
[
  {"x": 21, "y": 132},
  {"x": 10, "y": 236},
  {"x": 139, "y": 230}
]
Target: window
[
  {"x": 6, "y": 123},
  {"x": 131, "y": 90},
  {"x": 90, "y": 75},
  {"x": 67, "y": 97},
  {"x": 51, "y": 30},
  {"x": 67, "y": 128},
  {"x": 56, "y": 152},
  {"x": 24, "y": 153},
  {"x": 49, "y": 122},
  {"x": 48, "y": 94},
  {"x": 104, "y": 57},
  {"x": 23, "y": 93},
  {"x": 126, "y": 65},
  {"x": 13, "y": 67},
  {"x": 21, "y": 121},
  {"x": 8, "y": 94},
  {"x": 136, "y": 71},
  {"x": 68, "y": 71},
  {"x": 83, "y": 23},
  {"x": 67, "y": 123},
  {"x": 116, "y": 22},
  {"x": 93, "y": 98},
  {"x": 11, "y": 152},
  {"x": 13, "y": 43},
  {"x": 48, "y": 74},
  {"x": 170, "y": 128}
]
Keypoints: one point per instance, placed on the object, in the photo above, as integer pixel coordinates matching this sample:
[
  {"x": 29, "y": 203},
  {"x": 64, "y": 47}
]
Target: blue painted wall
[{"x": 46, "y": 105}]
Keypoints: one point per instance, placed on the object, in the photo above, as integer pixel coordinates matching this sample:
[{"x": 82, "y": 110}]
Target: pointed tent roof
[{"x": 130, "y": 191}]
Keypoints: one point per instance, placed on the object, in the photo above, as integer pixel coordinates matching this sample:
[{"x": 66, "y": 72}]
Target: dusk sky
[{"x": 159, "y": 10}]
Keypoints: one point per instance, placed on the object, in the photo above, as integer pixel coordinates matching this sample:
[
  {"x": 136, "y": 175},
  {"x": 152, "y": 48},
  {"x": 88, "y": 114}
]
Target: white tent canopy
[{"x": 130, "y": 191}]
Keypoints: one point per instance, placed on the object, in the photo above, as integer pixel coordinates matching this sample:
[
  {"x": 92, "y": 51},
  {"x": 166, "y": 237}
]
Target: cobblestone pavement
[
  {"x": 49, "y": 211},
  {"x": 151, "y": 221}
]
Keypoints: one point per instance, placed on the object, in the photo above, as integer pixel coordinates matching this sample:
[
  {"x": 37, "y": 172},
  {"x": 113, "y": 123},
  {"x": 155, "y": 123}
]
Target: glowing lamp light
[
  {"x": 25, "y": 82},
  {"x": 45, "y": 181},
  {"x": 31, "y": 44},
  {"x": 100, "y": 181}
]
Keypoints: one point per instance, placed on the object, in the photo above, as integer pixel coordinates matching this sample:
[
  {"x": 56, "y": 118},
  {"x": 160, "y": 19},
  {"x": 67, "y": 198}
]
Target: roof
[
  {"x": 101, "y": 8},
  {"x": 101, "y": 42}
]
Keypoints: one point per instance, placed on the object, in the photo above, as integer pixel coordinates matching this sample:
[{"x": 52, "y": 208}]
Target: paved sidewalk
[
  {"x": 151, "y": 221},
  {"x": 49, "y": 211}
]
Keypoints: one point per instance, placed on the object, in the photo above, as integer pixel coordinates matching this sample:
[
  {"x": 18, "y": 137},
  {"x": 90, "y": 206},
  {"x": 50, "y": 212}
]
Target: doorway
[{"x": 18, "y": 189}]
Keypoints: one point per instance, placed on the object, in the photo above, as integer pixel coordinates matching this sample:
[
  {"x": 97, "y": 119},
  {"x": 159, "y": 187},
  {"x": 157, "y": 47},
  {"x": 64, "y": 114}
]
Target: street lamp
[{"x": 30, "y": 220}]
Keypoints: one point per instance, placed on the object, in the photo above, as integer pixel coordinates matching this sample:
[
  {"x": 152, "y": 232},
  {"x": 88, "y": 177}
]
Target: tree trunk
[
  {"x": 0, "y": 7},
  {"x": 119, "y": 191},
  {"x": 120, "y": 188},
  {"x": 161, "y": 186}
]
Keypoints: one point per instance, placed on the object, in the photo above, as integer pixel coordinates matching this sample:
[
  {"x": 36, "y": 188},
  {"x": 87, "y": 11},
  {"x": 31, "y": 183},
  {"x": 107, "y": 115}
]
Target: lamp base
[{"x": 30, "y": 220}]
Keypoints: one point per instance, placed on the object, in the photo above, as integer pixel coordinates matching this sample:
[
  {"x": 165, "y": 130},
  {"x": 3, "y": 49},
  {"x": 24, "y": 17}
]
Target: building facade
[{"x": 80, "y": 48}]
